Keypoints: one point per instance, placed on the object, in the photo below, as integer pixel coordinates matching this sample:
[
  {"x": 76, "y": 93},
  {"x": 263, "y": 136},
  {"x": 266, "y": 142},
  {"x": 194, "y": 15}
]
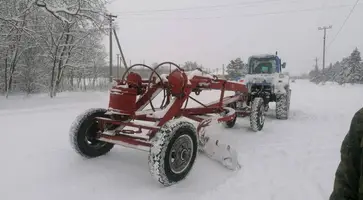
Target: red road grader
[{"x": 166, "y": 133}]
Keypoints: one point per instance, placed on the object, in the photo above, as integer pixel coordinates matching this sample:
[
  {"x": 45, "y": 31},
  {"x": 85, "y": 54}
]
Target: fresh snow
[
  {"x": 263, "y": 55},
  {"x": 288, "y": 159},
  {"x": 279, "y": 81},
  {"x": 196, "y": 72}
]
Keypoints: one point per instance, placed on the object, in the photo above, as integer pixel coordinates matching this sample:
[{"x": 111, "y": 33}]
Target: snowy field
[{"x": 293, "y": 159}]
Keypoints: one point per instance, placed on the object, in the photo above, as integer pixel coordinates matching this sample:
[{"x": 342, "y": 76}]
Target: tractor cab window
[{"x": 263, "y": 67}]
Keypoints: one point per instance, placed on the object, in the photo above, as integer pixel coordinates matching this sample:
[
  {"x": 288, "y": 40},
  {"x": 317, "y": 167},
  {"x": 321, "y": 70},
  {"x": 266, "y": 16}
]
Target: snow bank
[{"x": 43, "y": 100}]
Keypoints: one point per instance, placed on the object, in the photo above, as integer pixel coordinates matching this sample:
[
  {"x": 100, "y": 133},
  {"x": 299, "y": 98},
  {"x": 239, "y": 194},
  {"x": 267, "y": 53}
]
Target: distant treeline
[{"x": 348, "y": 70}]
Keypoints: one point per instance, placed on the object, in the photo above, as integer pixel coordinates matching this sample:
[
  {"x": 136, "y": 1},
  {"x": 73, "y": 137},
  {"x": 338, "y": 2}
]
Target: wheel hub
[
  {"x": 91, "y": 136},
  {"x": 181, "y": 154}
]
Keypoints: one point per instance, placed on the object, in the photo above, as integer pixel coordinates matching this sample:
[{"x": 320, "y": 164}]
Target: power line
[
  {"x": 248, "y": 15},
  {"x": 198, "y": 8},
  {"x": 345, "y": 21}
]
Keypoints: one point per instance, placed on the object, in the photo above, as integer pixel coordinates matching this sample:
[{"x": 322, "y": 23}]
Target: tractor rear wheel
[{"x": 283, "y": 105}]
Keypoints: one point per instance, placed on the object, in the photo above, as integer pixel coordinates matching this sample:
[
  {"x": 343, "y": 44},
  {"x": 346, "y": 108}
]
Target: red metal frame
[{"x": 123, "y": 103}]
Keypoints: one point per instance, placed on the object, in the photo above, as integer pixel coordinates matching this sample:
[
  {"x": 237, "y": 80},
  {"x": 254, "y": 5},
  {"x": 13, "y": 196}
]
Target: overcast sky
[{"x": 212, "y": 32}]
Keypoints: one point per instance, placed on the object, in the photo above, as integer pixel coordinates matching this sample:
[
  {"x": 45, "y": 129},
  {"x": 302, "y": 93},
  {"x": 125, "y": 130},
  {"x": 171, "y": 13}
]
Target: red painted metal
[
  {"x": 123, "y": 100},
  {"x": 127, "y": 139},
  {"x": 131, "y": 124},
  {"x": 219, "y": 84},
  {"x": 133, "y": 95},
  {"x": 134, "y": 80},
  {"x": 147, "y": 96},
  {"x": 201, "y": 110},
  {"x": 177, "y": 82}
]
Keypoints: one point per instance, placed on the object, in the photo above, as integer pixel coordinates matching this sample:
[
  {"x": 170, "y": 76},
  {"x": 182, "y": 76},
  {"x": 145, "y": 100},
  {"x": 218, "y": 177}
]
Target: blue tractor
[{"x": 267, "y": 83}]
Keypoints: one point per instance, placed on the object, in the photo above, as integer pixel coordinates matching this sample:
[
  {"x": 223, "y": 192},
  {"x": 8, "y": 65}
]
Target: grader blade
[{"x": 222, "y": 153}]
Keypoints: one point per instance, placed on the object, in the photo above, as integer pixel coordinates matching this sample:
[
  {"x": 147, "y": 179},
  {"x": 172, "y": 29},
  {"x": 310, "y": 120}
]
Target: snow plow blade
[{"x": 222, "y": 153}]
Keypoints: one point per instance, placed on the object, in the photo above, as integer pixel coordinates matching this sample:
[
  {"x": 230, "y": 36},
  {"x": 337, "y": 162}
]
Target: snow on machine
[
  {"x": 166, "y": 133},
  {"x": 266, "y": 80}
]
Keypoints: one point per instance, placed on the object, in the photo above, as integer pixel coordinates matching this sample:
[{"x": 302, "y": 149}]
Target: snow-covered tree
[
  {"x": 236, "y": 68},
  {"x": 355, "y": 68},
  {"x": 190, "y": 66},
  {"x": 348, "y": 70},
  {"x": 41, "y": 41},
  {"x": 315, "y": 75}
]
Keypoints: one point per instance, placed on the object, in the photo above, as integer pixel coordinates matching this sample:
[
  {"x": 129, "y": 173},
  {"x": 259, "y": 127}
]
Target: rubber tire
[
  {"x": 162, "y": 142},
  {"x": 230, "y": 124},
  {"x": 78, "y": 131},
  {"x": 257, "y": 109},
  {"x": 283, "y": 105},
  {"x": 288, "y": 104}
]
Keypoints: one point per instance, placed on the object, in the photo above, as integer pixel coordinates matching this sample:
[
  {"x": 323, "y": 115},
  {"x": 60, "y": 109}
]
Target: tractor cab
[{"x": 265, "y": 64}]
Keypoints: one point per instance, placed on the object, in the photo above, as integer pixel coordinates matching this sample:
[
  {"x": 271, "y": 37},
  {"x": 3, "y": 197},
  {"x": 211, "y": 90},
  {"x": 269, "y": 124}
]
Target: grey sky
[{"x": 212, "y": 36}]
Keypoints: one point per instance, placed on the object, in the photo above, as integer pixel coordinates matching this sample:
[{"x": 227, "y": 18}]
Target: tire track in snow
[
  {"x": 273, "y": 159},
  {"x": 268, "y": 174}
]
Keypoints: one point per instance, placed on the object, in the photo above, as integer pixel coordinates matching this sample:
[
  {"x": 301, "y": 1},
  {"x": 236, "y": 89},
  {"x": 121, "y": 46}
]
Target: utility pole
[
  {"x": 111, "y": 19},
  {"x": 223, "y": 70},
  {"x": 316, "y": 67},
  {"x": 119, "y": 47},
  {"x": 324, "y": 28},
  {"x": 118, "y": 66}
]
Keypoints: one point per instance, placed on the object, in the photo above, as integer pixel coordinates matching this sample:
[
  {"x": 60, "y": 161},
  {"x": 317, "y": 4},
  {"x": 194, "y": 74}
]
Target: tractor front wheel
[{"x": 257, "y": 116}]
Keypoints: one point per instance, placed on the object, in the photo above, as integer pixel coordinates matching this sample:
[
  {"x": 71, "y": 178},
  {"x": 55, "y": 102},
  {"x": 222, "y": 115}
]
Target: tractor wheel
[
  {"x": 283, "y": 105},
  {"x": 257, "y": 116},
  {"x": 173, "y": 152},
  {"x": 230, "y": 124},
  {"x": 83, "y": 134}
]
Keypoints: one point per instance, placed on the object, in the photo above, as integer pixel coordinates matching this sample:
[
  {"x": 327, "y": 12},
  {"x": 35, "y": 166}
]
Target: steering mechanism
[
  {"x": 134, "y": 80},
  {"x": 177, "y": 80}
]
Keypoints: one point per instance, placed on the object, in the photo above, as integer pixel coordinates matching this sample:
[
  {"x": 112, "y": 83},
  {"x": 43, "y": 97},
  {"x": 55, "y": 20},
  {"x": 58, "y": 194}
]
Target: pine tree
[
  {"x": 329, "y": 72},
  {"x": 236, "y": 68},
  {"x": 354, "y": 65},
  {"x": 315, "y": 74},
  {"x": 335, "y": 73},
  {"x": 345, "y": 71},
  {"x": 348, "y": 70}
]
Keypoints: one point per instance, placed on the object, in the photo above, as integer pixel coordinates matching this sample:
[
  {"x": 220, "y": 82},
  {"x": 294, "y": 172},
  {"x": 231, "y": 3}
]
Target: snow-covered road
[{"x": 292, "y": 159}]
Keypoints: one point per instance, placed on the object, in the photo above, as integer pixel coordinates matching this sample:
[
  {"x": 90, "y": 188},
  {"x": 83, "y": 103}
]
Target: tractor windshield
[{"x": 262, "y": 66}]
